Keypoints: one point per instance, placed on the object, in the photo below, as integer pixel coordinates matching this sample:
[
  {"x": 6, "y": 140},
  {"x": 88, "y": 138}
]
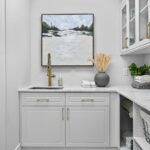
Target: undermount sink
[{"x": 46, "y": 87}]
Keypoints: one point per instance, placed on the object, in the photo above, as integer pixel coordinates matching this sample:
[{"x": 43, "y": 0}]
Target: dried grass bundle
[{"x": 101, "y": 62}]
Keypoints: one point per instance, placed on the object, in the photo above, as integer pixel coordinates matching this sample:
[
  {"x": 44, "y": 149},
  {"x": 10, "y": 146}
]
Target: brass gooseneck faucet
[{"x": 49, "y": 70}]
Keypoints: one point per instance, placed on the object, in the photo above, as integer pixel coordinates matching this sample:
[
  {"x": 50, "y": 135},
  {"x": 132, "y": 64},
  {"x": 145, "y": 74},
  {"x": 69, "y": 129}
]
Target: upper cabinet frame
[{"x": 135, "y": 27}]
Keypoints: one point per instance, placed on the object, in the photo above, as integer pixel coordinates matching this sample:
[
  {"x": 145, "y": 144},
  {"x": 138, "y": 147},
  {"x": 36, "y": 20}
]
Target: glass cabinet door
[
  {"x": 124, "y": 27},
  {"x": 131, "y": 22},
  {"x": 143, "y": 20}
]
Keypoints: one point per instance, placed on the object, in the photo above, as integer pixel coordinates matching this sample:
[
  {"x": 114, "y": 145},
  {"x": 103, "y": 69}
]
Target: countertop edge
[{"x": 137, "y": 96}]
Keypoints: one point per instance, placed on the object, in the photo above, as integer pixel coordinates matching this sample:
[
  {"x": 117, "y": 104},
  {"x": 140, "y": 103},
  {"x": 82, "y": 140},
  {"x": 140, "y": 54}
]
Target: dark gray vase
[{"x": 101, "y": 79}]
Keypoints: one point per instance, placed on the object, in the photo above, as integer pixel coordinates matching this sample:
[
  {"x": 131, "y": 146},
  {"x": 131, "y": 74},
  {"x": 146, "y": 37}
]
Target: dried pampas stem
[{"x": 101, "y": 62}]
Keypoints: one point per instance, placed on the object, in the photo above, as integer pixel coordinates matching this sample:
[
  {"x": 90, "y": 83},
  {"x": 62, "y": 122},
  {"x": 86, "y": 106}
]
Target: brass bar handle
[
  {"x": 42, "y": 100},
  {"x": 148, "y": 31},
  {"x": 62, "y": 113},
  {"x": 87, "y": 100},
  {"x": 126, "y": 42},
  {"x": 68, "y": 111}
]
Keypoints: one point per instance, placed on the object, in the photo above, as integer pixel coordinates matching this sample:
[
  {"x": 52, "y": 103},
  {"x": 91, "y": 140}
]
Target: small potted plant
[
  {"x": 138, "y": 71},
  {"x": 101, "y": 63}
]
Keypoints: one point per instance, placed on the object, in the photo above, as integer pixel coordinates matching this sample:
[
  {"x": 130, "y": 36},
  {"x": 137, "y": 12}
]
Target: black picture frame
[{"x": 92, "y": 14}]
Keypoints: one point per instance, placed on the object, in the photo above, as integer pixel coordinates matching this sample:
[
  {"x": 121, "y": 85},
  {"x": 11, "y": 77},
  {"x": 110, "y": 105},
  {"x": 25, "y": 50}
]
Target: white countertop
[
  {"x": 140, "y": 97},
  {"x": 66, "y": 89}
]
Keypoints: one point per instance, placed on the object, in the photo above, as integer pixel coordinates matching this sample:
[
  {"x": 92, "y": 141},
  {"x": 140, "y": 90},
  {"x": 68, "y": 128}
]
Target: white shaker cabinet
[
  {"x": 43, "y": 126},
  {"x": 42, "y": 120},
  {"x": 87, "y": 126},
  {"x": 67, "y": 120},
  {"x": 87, "y": 119}
]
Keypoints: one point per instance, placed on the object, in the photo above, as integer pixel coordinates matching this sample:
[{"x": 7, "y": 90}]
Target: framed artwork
[{"x": 69, "y": 38}]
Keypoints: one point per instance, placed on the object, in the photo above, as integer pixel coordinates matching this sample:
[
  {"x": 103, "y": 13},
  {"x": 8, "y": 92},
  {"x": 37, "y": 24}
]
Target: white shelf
[
  {"x": 132, "y": 19},
  {"x": 143, "y": 47},
  {"x": 143, "y": 9},
  {"x": 142, "y": 143},
  {"x": 124, "y": 148}
]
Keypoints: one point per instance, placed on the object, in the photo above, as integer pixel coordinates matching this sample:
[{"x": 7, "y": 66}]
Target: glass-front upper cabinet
[
  {"x": 131, "y": 22},
  {"x": 128, "y": 23},
  {"x": 143, "y": 20},
  {"x": 124, "y": 26},
  {"x": 135, "y": 25}
]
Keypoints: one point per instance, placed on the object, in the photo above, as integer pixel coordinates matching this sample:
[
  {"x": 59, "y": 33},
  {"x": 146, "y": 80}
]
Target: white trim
[
  {"x": 3, "y": 75},
  {"x": 68, "y": 148},
  {"x": 136, "y": 49},
  {"x": 18, "y": 147}
]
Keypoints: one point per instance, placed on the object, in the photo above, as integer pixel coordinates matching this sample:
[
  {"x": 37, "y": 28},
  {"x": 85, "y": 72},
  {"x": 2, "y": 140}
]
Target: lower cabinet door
[
  {"x": 43, "y": 126},
  {"x": 87, "y": 127}
]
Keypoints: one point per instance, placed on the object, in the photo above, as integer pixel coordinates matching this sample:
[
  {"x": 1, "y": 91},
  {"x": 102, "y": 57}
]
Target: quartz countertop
[
  {"x": 67, "y": 89},
  {"x": 139, "y": 96}
]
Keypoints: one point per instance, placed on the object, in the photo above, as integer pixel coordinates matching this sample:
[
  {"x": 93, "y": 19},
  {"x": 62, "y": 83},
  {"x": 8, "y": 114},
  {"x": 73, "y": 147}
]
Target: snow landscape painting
[{"x": 69, "y": 39}]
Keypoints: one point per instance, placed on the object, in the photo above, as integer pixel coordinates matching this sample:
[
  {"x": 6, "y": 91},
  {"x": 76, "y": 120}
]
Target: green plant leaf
[{"x": 138, "y": 71}]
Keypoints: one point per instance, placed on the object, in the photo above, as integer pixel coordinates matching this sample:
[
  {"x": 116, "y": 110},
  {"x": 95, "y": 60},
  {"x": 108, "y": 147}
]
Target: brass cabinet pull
[
  {"x": 148, "y": 31},
  {"x": 126, "y": 42},
  {"x": 68, "y": 110},
  {"x": 62, "y": 113},
  {"x": 42, "y": 100},
  {"x": 87, "y": 100}
]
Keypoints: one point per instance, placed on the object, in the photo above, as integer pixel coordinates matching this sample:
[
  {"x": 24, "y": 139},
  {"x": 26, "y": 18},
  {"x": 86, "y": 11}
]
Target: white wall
[
  {"x": 2, "y": 76},
  {"x": 147, "y": 59},
  {"x": 17, "y": 63},
  {"x": 107, "y": 39},
  {"x": 17, "y": 52}
]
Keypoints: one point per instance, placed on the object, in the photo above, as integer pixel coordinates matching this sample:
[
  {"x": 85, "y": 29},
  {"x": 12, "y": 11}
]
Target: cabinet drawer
[
  {"x": 40, "y": 99},
  {"x": 87, "y": 99}
]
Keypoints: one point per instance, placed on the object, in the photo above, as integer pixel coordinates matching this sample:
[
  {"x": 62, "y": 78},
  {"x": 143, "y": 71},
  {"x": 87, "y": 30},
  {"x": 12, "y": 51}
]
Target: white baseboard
[
  {"x": 18, "y": 147},
  {"x": 40, "y": 148}
]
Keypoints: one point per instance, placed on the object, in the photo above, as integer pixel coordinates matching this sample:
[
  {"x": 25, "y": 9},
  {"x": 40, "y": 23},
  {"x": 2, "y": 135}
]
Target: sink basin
[{"x": 46, "y": 87}]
